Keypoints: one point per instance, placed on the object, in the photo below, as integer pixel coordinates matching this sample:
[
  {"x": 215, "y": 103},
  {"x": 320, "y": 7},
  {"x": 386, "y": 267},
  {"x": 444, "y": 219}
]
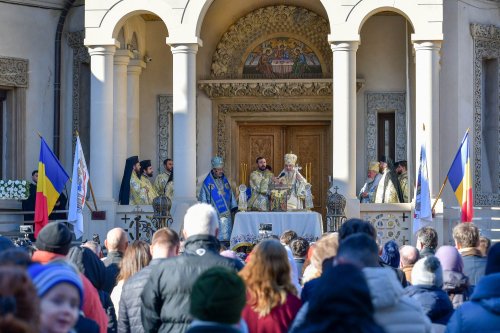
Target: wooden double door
[{"x": 310, "y": 142}]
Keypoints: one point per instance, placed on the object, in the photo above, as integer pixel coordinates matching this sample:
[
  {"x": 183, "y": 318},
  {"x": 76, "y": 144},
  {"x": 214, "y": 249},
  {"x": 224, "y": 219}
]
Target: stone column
[
  {"x": 133, "y": 129},
  {"x": 101, "y": 119},
  {"x": 184, "y": 128},
  {"x": 427, "y": 107},
  {"x": 122, "y": 59},
  {"x": 344, "y": 122}
]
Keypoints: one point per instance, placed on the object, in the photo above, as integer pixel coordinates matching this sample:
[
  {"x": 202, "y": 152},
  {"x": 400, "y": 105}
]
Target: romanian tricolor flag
[
  {"x": 51, "y": 180},
  {"x": 461, "y": 180}
]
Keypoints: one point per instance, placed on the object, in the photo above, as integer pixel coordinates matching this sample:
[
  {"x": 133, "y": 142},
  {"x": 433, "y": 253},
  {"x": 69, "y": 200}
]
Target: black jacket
[
  {"x": 166, "y": 296},
  {"x": 112, "y": 263},
  {"x": 129, "y": 318}
]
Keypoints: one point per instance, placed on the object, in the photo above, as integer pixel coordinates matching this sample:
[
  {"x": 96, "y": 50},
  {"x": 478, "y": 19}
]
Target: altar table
[{"x": 252, "y": 226}]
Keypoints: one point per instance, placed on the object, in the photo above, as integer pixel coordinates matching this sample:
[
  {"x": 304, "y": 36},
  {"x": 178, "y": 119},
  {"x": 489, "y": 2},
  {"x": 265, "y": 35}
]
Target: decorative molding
[
  {"x": 486, "y": 46},
  {"x": 14, "y": 72},
  {"x": 80, "y": 55},
  {"x": 260, "y": 24},
  {"x": 267, "y": 88},
  {"x": 228, "y": 110},
  {"x": 376, "y": 102},
  {"x": 165, "y": 114}
]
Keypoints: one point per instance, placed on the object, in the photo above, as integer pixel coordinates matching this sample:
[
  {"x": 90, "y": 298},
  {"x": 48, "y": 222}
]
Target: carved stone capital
[
  {"x": 13, "y": 72},
  {"x": 274, "y": 88}
]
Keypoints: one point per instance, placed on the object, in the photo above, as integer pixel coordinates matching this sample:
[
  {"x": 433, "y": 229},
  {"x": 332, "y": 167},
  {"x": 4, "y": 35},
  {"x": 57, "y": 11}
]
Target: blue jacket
[
  {"x": 482, "y": 312},
  {"x": 434, "y": 301}
]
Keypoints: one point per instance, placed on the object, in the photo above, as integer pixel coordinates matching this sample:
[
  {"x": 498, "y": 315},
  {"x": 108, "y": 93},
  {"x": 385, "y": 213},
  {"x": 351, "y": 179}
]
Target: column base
[
  {"x": 352, "y": 208},
  {"x": 100, "y": 227},
  {"x": 178, "y": 210}
]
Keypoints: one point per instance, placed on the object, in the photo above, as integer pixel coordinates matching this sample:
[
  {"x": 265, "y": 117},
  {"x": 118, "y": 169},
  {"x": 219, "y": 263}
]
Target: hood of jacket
[
  {"x": 385, "y": 288},
  {"x": 487, "y": 293},
  {"x": 199, "y": 244},
  {"x": 455, "y": 282}
]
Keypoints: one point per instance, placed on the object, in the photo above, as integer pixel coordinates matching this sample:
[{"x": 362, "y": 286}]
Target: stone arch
[
  {"x": 114, "y": 19},
  {"x": 348, "y": 19},
  {"x": 266, "y": 21}
]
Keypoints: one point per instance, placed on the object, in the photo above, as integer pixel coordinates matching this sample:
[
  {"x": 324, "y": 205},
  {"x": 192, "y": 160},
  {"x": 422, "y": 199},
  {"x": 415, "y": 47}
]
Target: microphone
[{"x": 282, "y": 174}]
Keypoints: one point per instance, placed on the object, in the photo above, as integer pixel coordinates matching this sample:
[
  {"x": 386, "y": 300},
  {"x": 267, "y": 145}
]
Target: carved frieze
[
  {"x": 302, "y": 24},
  {"x": 376, "y": 102},
  {"x": 165, "y": 113},
  {"x": 267, "y": 88},
  {"x": 227, "y": 110},
  {"x": 13, "y": 72},
  {"x": 486, "y": 46}
]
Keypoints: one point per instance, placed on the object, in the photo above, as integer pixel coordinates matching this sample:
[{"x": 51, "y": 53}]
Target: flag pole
[
  {"x": 439, "y": 194},
  {"x": 90, "y": 185}
]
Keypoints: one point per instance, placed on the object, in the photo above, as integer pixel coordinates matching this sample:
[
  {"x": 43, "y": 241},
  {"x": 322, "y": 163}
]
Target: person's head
[
  {"x": 359, "y": 249},
  {"x": 133, "y": 162},
  {"x": 60, "y": 291},
  {"x": 401, "y": 167},
  {"x": 408, "y": 255},
  {"x": 116, "y": 240},
  {"x": 164, "y": 244},
  {"x": 373, "y": 170},
  {"x": 16, "y": 256},
  {"x": 136, "y": 257},
  {"x": 427, "y": 271},
  {"x": 147, "y": 168},
  {"x": 427, "y": 238},
  {"x": 6, "y": 243},
  {"x": 354, "y": 226},
  {"x": 34, "y": 176},
  {"x": 390, "y": 254},
  {"x": 218, "y": 295},
  {"x": 326, "y": 247},
  {"x": 20, "y": 307},
  {"x": 466, "y": 235},
  {"x": 450, "y": 259},
  {"x": 168, "y": 164},
  {"x": 217, "y": 166},
  {"x": 137, "y": 168},
  {"x": 288, "y": 236},
  {"x": 383, "y": 160},
  {"x": 290, "y": 162},
  {"x": 484, "y": 245},
  {"x": 267, "y": 276},
  {"x": 493, "y": 261},
  {"x": 94, "y": 247},
  {"x": 299, "y": 247},
  {"x": 261, "y": 163},
  {"x": 200, "y": 219},
  {"x": 55, "y": 237}
]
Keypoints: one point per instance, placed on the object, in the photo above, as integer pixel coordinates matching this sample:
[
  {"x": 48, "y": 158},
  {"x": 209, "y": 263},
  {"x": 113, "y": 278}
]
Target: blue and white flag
[
  {"x": 79, "y": 189},
  {"x": 423, "y": 212}
]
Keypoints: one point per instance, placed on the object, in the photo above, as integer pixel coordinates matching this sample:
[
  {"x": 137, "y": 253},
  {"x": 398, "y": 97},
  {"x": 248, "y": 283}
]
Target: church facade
[{"x": 339, "y": 83}]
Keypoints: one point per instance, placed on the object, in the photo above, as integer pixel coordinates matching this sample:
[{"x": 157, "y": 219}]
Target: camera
[{"x": 26, "y": 229}]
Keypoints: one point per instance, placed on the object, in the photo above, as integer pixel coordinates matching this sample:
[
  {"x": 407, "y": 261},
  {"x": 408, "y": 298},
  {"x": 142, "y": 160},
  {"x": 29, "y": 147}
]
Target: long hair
[
  {"x": 267, "y": 277},
  {"x": 19, "y": 303},
  {"x": 136, "y": 257}
]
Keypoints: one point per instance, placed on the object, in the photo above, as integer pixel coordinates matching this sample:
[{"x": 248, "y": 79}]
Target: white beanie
[{"x": 427, "y": 271}]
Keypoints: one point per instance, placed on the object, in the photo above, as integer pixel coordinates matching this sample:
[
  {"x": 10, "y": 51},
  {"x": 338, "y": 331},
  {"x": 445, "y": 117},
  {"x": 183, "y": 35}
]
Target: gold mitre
[
  {"x": 374, "y": 166},
  {"x": 290, "y": 159}
]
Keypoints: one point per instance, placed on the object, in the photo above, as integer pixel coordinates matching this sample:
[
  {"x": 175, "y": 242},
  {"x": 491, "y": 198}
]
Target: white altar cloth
[{"x": 308, "y": 225}]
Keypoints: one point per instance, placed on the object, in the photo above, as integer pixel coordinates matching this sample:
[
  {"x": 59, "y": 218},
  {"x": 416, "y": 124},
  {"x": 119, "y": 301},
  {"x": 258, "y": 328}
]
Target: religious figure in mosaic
[{"x": 217, "y": 192}]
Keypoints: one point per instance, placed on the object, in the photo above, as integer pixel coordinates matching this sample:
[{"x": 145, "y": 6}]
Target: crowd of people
[{"x": 344, "y": 282}]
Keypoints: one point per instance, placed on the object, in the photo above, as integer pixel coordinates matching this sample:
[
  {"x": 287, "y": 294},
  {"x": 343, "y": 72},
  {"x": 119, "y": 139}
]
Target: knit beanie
[
  {"x": 218, "y": 295},
  {"x": 427, "y": 271},
  {"x": 390, "y": 254},
  {"x": 493, "y": 263},
  {"x": 450, "y": 259},
  {"x": 46, "y": 277},
  {"x": 55, "y": 237}
]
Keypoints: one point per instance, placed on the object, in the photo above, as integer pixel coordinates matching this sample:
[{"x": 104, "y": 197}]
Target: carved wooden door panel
[{"x": 311, "y": 144}]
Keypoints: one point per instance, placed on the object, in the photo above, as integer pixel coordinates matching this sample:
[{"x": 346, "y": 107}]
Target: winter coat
[
  {"x": 165, "y": 297},
  {"x": 474, "y": 264},
  {"x": 129, "y": 318},
  {"x": 394, "y": 311},
  {"x": 482, "y": 312},
  {"x": 434, "y": 301},
  {"x": 112, "y": 263},
  {"x": 456, "y": 285}
]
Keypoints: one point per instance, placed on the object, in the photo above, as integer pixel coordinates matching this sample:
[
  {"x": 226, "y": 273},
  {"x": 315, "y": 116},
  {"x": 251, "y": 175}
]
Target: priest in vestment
[
  {"x": 259, "y": 184},
  {"x": 291, "y": 177},
  {"x": 130, "y": 175},
  {"x": 388, "y": 189},
  {"x": 217, "y": 192},
  {"x": 142, "y": 191},
  {"x": 367, "y": 192},
  {"x": 164, "y": 181}
]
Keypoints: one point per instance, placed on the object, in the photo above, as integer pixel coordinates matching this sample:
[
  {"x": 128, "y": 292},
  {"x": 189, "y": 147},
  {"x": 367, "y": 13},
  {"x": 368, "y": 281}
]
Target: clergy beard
[
  {"x": 369, "y": 180},
  {"x": 138, "y": 173},
  {"x": 263, "y": 169}
]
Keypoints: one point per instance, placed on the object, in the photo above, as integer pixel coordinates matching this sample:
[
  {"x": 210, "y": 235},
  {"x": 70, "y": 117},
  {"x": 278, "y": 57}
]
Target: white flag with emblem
[{"x": 79, "y": 189}]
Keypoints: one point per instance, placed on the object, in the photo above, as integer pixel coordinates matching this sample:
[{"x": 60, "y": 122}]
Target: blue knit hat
[
  {"x": 45, "y": 277},
  {"x": 390, "y": 254}
]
